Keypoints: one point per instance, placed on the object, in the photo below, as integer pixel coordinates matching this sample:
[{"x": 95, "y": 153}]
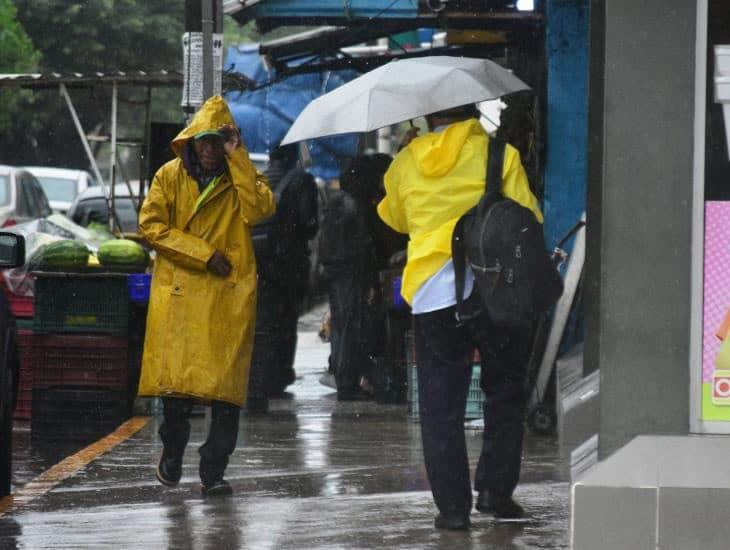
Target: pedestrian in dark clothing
[
  {"x": 281, "y": 244},
  {"x": 349, "y": 252},
  {"x": 430, "y": 184}
]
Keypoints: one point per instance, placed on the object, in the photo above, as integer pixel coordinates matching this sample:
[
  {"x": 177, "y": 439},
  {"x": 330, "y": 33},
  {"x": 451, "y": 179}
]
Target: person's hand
[
  {"x": 232, "y": 137},
  {"x": 219, "y": 265}
]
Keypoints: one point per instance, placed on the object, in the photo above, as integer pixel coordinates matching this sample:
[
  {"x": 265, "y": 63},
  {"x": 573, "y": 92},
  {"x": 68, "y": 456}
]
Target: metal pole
[
  {"x": 144, "y": 166},
  {"x": 82, "y": 135},
  {"x": 207, "y": 27},
  {"x": 113, "y": 157}
]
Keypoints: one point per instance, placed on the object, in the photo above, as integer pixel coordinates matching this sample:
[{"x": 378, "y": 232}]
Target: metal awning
[
  {"x": 320, "y": 9},
  {"x": 78, "y": 80},
  {"x": 327, "y": 39},
  {"x": 494, "y": 15},
  {"x": 64, "y": 82}
]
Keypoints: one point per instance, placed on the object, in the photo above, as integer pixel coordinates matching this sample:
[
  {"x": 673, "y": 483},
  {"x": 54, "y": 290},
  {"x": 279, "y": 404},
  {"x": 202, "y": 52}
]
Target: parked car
[
  {"x": 91, "y": 206},
  {"x": 12, "y": 254},
  {"x": 61, "y": 185},
  {"x": 22, "y": 198}
]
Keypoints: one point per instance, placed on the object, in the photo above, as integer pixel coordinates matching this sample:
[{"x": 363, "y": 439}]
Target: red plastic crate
[
  {"x": 20, "y": 305},
  {"x": 23, "y": 409},
  {"x": 80, "y": 360},
  {"x": 24, "y": 406}
]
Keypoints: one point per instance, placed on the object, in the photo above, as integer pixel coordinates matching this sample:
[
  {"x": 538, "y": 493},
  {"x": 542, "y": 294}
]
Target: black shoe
[
  {"x": 169, "y": 470},
  {"x": 220, "y": 488},
  {"x": 499, "y": 505},
  {"x": 452, "y": 524}
]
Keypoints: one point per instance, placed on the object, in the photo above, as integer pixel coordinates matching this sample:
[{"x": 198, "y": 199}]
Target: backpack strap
[
  {"x": 493, "y": 173},
  {"x": 495, "y": 161}
]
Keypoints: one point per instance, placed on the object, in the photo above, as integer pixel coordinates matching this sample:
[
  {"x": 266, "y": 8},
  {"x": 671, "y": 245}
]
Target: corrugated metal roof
[{"x": 75, "y": 80}]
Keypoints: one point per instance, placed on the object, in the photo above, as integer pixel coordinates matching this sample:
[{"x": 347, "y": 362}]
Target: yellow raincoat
[
  {"x": 432, "y": 182},
  {"x": 200, "y": 326}
]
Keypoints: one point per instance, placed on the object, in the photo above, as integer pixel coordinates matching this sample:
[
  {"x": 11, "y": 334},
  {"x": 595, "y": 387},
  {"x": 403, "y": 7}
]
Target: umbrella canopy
[{"x": 401, "y": 90}]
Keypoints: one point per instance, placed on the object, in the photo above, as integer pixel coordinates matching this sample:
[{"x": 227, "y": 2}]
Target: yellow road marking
[{"x": 70, "y": 465}]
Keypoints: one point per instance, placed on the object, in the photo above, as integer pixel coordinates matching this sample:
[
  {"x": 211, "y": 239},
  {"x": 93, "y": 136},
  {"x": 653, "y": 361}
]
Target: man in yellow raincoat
[
  {"x": 430, "y": 184},
  {"x": 198, "y": 217}
]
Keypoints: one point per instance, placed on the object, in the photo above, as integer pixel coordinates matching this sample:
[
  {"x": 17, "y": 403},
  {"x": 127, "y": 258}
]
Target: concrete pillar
[{"x": 639, "y": 242}]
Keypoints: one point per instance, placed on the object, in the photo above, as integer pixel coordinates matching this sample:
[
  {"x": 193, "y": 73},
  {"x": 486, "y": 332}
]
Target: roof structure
[{"x": 78, "y": 80}]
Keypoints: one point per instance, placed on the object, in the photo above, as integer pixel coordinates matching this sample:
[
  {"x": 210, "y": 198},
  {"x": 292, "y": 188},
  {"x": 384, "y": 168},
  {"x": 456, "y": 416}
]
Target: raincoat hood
[
  {"x": 212, "y": 115},
  {"x": 436, "y": 153}
]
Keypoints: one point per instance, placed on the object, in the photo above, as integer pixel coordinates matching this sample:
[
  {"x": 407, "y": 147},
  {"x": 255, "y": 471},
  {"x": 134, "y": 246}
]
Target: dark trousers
[
  {"x": 278, "y": 305},
  {"x": 444, "y": 354},
  {"x": 349, "y": 320},
  {"x": 222, "y": 436}
]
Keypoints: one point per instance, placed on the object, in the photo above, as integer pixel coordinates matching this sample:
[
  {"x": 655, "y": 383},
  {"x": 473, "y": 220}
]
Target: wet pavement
[{"x": 313, "y": 473}]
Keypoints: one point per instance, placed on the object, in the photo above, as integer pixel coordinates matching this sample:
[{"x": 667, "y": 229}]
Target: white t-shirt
[{"x": 439, "y": 291}]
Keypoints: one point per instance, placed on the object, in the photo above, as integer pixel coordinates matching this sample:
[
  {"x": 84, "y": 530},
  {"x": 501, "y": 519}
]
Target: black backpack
[{"x": 505, "y": 247}]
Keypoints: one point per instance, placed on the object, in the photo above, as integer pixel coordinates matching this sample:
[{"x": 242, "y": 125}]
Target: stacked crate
[
  {"x": 24, "y": 408},
  {"x": 474, "y": 399},
  {"x": 80, "y": 353},
  {"x": 22, "y": 308}
]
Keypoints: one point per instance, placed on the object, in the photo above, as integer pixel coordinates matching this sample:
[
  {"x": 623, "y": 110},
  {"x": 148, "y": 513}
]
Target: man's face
[{"x": 210, "y": 151}]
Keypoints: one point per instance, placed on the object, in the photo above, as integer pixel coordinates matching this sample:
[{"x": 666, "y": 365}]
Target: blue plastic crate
[{"x": 139, "y": 287}]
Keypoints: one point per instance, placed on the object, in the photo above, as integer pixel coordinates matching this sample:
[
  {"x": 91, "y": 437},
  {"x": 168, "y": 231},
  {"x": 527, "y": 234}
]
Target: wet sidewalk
[{"x": 313, "y": 473}]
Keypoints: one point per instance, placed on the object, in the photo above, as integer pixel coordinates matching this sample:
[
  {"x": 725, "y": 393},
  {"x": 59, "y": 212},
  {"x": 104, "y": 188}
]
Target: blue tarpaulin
[
  {"x": 265, "y": 115},
  {"x": 337, "y": 8}
]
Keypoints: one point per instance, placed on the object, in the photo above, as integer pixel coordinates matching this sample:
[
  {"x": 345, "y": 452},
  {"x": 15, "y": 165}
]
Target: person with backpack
[
  {"x": 281, "y": 246},
  {"x": 431, "y": 183},
  {"x": 350, "y": 253}
]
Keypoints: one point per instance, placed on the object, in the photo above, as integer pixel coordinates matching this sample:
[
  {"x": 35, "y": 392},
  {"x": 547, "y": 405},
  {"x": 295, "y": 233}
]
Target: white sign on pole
[{"x": 192, "y": 42}]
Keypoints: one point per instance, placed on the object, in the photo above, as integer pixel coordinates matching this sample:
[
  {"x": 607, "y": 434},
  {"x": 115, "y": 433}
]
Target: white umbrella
[{"x": 402, "y": 90}]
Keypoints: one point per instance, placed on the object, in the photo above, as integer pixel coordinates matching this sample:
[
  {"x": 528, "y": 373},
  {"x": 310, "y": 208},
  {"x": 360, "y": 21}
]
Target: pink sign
[{"x": 717, "y": 281}]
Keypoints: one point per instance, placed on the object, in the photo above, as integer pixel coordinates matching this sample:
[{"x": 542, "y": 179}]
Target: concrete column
[{"x": 640, "y": 178}]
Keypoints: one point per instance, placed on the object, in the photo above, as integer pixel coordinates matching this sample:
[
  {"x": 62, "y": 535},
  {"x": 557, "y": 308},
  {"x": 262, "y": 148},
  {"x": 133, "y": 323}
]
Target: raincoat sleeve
[
  {"x": 515, "y": 184},
  {"x": 252, "y": 187},
  {"x": 155, "y": 225},
  {"x": 390, "y": 208}
]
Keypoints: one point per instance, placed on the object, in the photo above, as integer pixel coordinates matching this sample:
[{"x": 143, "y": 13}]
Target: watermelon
[
  {"x": 66, "y": 254},
  {"x": 123, "y": 253}
]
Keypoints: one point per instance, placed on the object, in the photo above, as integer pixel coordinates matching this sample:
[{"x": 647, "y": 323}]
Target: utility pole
[{"x": 202, "y": 52}]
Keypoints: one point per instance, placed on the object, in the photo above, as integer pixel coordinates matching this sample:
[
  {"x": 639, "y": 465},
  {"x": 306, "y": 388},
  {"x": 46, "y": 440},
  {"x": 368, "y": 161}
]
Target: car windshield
[
  {"x": 58, "y": 189},
  {"x": 95, "y": 210},
  {"x": 4, "y": 190}
]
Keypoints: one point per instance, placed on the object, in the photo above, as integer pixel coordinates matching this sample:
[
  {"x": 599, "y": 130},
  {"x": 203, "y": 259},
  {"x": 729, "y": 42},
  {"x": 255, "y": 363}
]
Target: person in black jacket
[
  {"x": 351, "y": 254},
  {"x": 281, "y": 244}
]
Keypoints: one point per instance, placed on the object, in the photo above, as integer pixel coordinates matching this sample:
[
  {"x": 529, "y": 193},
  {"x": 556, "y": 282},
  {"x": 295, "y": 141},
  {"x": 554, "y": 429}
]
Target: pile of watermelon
[
  {"x": 72, "y": 255},
  {"x": 65, "y": 254},
  {"x": 123, "y": 253}
]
